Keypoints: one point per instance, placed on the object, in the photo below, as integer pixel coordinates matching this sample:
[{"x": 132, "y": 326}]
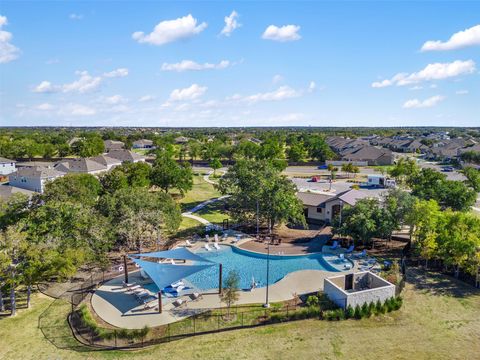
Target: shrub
[
  {"x": 358, "y": 312},
  {"x": 350, "y": 313},
  {"x": 398, "y": 303},
  {"x": 371, "y": 309},
  {"x": 378, "y": 308},
  {"x": 364, "y": 310},
  {"x": 312, "y": 300},
  {"x": 390, "y": 304},
  {"x": 340, "y": 313}
]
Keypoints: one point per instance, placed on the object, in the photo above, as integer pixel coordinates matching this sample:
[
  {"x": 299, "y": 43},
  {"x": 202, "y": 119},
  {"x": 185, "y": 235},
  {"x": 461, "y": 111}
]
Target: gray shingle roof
[
  {"x": 313, "y": 199},
  {"x": 38, "y": 171},
  {"x": 125, "y": 155},
  {"x": 5, "y": 160},
  {"x": 83, "y": 165}
]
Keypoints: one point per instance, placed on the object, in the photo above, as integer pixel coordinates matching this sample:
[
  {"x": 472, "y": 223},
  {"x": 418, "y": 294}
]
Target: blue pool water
[{"x": 250, "y": 265}]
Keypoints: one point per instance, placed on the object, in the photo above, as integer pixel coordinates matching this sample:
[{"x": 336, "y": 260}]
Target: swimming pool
[{"x": 252, "y": 266}]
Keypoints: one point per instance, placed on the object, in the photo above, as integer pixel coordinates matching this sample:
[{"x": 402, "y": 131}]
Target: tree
[
  {"x": 12, "y": 244},
  {"x": 215, "y": 164},
  {"x": 403, "y": 170},
  {"x": 13, "y": 209},
  {"x": 82, "y": 188},
  {"x": 249, "y": 182},
  {"x": 359, "y": 221},
  {"x": 138, "y": 216},
  {"x": 459, "y": 241},
  {"x": 333, "y": 170},
  {"x": 318, "y": 149},
  {"x": 297, "y": 152},
  {"x": 168, "y": 174},
  {"x": 473, "y": 178},
  {"x": 230, "y": 290}
]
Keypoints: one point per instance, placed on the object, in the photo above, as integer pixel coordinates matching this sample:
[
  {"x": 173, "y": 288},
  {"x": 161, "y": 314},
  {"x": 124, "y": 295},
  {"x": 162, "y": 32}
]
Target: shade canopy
[
  {"x": 164, "y": 275},
  {"x": 175, "y": 254}
]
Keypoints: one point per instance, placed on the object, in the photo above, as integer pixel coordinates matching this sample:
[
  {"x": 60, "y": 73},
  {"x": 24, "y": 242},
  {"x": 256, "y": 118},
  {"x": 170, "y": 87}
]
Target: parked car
[
  {"x": 323, "y": 167},
  {"x": 448, "y": 169}
]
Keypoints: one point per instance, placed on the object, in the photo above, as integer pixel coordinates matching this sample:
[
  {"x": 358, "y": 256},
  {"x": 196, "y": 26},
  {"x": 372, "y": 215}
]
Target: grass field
[{"x": 440, "y": 319}]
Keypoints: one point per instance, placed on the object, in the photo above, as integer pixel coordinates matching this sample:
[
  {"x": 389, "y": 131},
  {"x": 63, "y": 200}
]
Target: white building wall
[
  {"x": 28, "y": 183},
  {"x": 335, "y": 294},
  {"x": 7, "y": 168},
  {"x": 371, "y": 295}
]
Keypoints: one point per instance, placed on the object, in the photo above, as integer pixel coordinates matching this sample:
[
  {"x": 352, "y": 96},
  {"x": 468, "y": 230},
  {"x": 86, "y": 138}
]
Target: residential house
[
  {"x": 143, "y": 144},
  {"x": 113, "y": 145},
  {"x": 7, "y": 191},
  {"x": 323, "y": 208},
  {"x": 371, "y": 154},
  {"x": 107, "y": 161},
  {"x": 33, "y": 178},
  {"x": 82, "y": 165},
  {"x": 7, "y": 166},
  {"x": 126, "y": 155},
  {"x": 181, "y": 140}
]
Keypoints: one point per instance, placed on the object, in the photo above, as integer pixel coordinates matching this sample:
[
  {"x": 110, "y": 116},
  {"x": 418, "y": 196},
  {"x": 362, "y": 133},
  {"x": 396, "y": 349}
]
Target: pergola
[{"x": 165, "y": 274}]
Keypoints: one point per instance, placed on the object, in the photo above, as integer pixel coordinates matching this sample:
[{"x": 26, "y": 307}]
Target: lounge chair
[
  {"x": 195, "y": 296},
  {"x": 361, "y": 254},
  {"x": 224, "y": 237},
  {"x": 128, "y": 285},
  {"x": 350, "y": 249},
  {"x": 177, "y": 284},
  {"x": 341, "y": 256},
  {"x": 133, "y": 288},
  {"x": 207, "y": 237},
  {"x": 143, "y": 274},
  {"x": 348, "y": 266},
  {"x": 335, "y": 245},
  {"x": 143, "y": 295},
  {"x": 207, "y": 247},
  {"x": 215, "y": 245},
  {"x": 172, "y": 262},
  {"x": 178, "y": 302},
  {"x": 188, "y": 243},
  {"x": 216, "y": 238}
]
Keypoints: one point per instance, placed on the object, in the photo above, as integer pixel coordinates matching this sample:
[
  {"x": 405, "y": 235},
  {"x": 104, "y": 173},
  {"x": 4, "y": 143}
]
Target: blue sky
[{"x": 274, "y": 64}]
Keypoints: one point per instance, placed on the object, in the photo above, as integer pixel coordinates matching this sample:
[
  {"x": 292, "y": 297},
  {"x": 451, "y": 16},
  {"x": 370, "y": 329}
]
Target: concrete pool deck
[{"x": 114, "y": 306}]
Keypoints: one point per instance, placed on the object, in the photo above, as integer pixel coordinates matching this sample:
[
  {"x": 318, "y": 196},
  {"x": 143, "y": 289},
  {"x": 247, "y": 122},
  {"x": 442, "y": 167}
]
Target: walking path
[{"x": 189, "y": 214}]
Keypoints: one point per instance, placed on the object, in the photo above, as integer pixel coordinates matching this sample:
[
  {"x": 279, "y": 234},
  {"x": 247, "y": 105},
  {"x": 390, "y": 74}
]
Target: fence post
[
  {"x": 115, "y": 335},
  {"x": 218, "y": 322},
  {"x": 242, "y": 318},
  {"x": 194, "y": 326}
]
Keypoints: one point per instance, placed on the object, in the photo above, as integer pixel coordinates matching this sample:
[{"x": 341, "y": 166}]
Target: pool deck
[
  {"x": 120, "y": 309},
  {"x": 111, "y": 303}
]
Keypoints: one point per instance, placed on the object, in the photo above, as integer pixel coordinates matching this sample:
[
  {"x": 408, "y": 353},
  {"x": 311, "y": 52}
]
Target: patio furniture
[
  {"x": 335, "y": 245},
  {"x": 207, "y": 247},
  {"x": 133, "y": 288},
  {"x": 177, "y": 284},
  {"x": 224, "y": 237},
  {"x": 188, "y": 243},
  {"x": 215, "y": 245},
  {"x": 128, "y": 285},
  {"x": 350, "y": 249},
  {"x": 195, "y": 296},
  {"x": 207, "y": 237},
  {"x": 178, "y": 302},
  {"x": 348, "y": 266},
  {"x": 216, "y": 238},
  {"x": 361, "y": 254}
]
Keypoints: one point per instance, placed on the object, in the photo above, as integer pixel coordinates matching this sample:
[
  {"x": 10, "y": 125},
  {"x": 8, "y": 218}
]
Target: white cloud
[
  {"x": 283, "y": 33},
  {"x": 277, "y": 78},
  {"x": 416, "y": 87},
  {"x": 436, "y": 71},
  {"x": 461, "y": 92},
  {"x": 427, "y": 103},
  {"x": 186, "y": 65},
  {"x": 191, "y": 93},
  {"x": 171, "y": 30},
  {"x": 77, "y": 110},
  {"x": 75, "y": 16},
  {"x": 146, "y": 98},
  {"x": 121, "y": 72},
  {"x": 231, "y": 24},
  {"x": 46, "y": 87},
  {"x": 282, "y": 93},
  {"x": 52, "y": 61},
  {"x": 45, "y": 107},
  {"x": 114, "y": 100},
  {"x": 461, "y": 39},
  {"x": 312, "y": 86},
  {"x": 85, "y": 83},
  {"x": 8, "y": 51}
]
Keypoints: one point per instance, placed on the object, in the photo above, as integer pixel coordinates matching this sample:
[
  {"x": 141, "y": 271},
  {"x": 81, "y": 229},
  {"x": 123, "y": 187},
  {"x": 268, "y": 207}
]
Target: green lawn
[{"x": 440, "y": 319}]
